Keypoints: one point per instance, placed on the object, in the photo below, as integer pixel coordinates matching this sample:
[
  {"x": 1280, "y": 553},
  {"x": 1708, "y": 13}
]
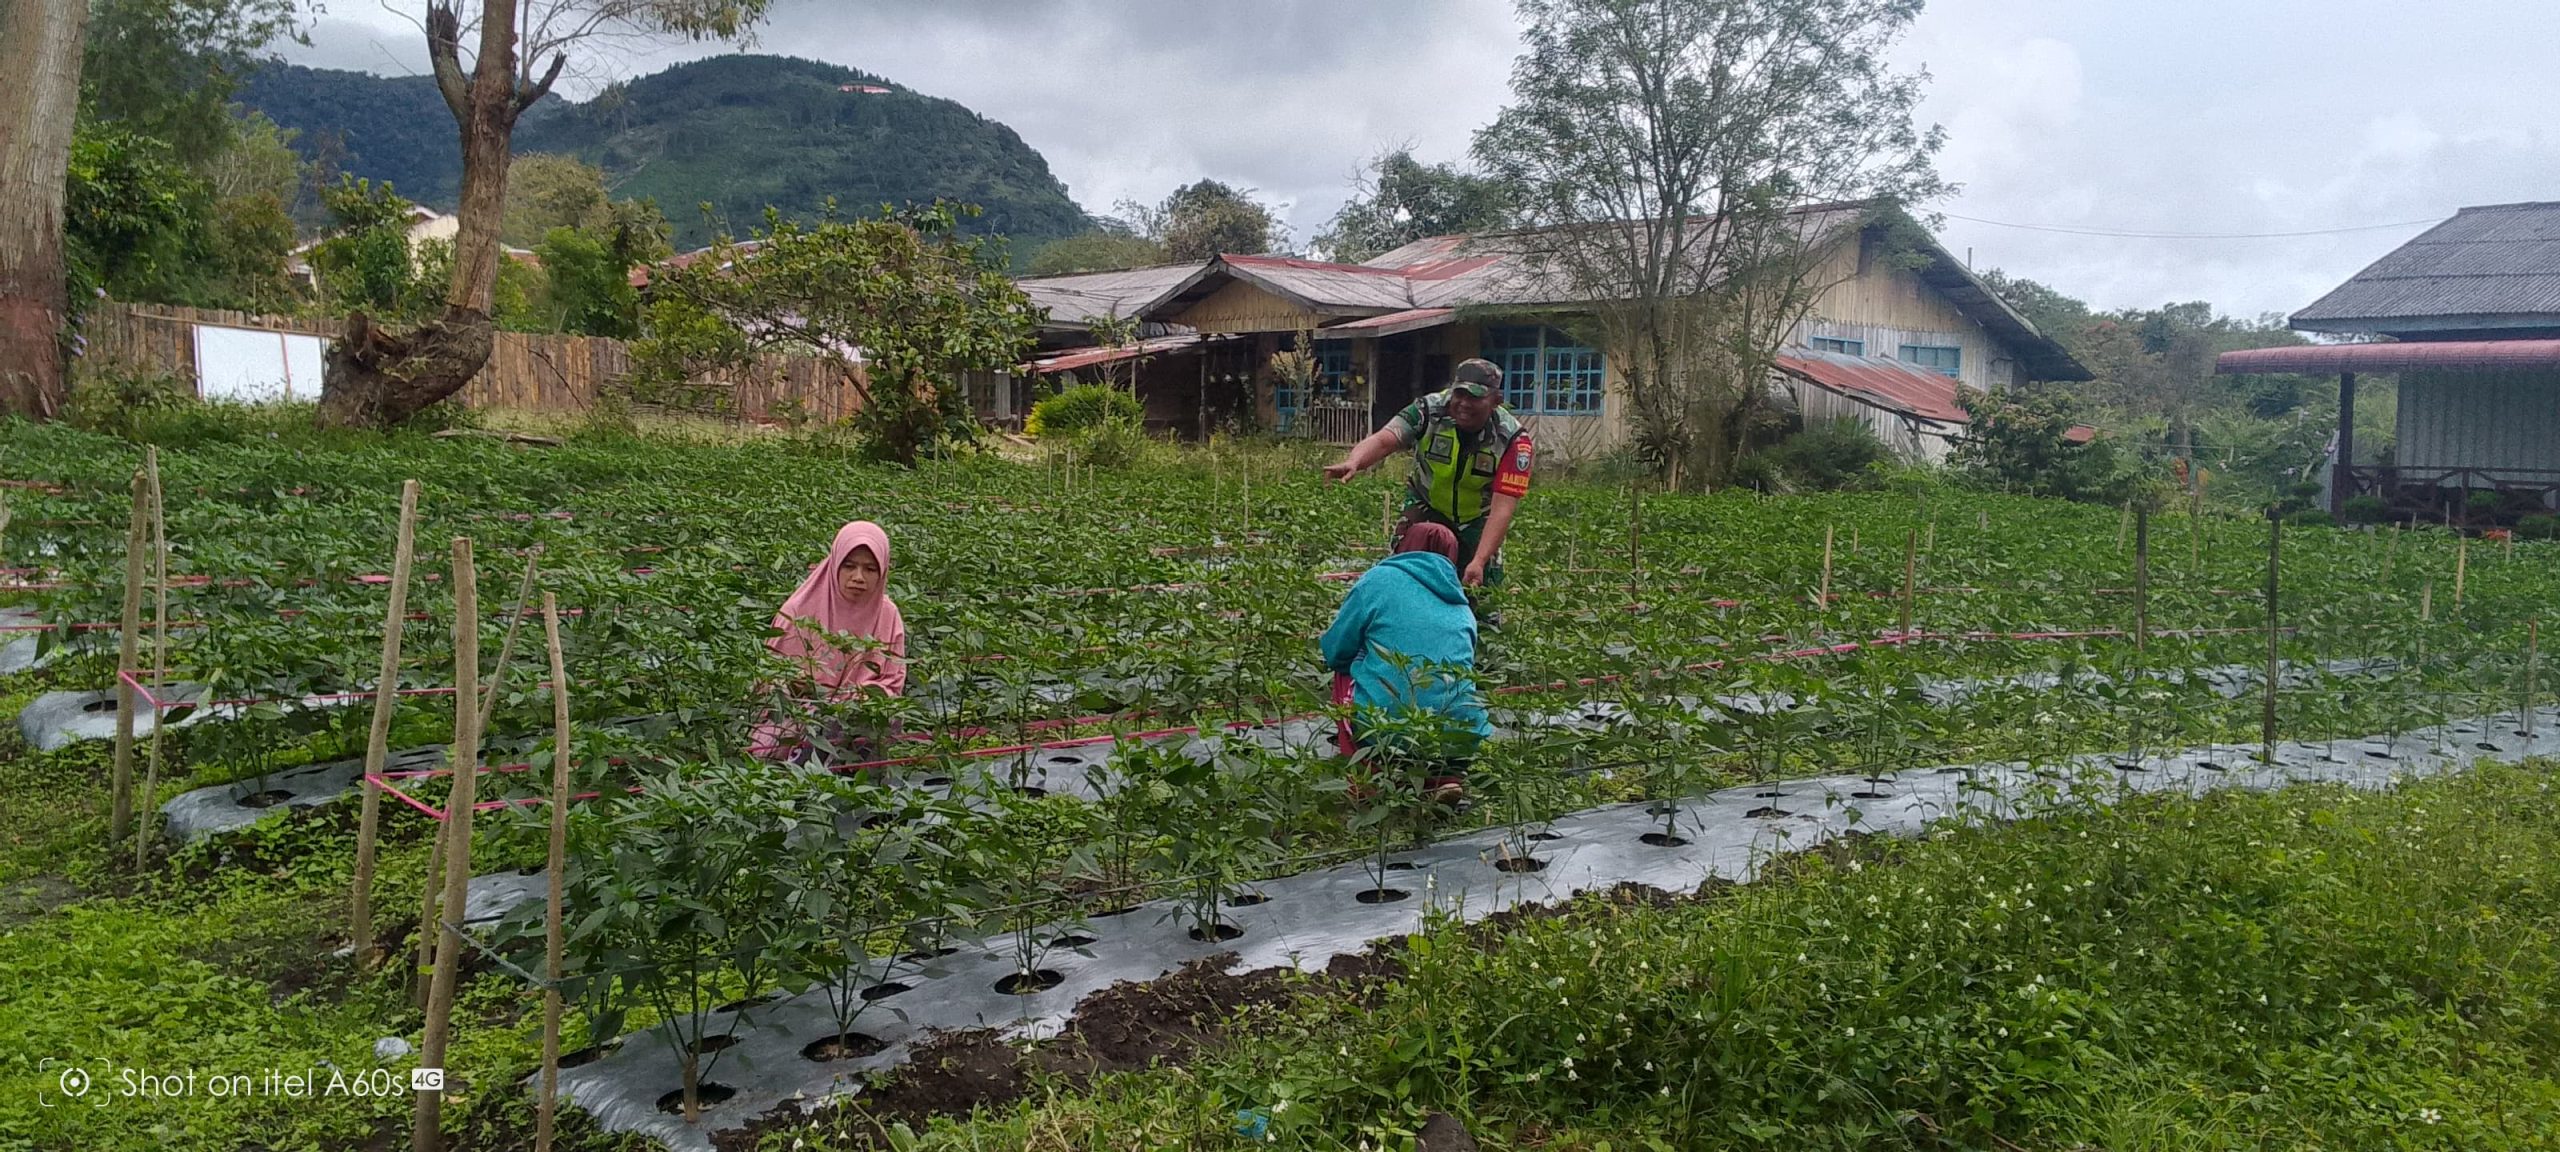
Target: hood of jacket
[{"x": 1432, "y": 571}]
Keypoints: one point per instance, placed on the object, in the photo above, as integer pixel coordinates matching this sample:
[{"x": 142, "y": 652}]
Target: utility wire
[{"x": 2131, "y": 235}]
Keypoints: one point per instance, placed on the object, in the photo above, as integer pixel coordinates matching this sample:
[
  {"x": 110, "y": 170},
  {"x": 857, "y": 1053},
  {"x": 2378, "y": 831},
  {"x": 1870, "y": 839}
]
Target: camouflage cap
[{"x": 1476, "y": 377}]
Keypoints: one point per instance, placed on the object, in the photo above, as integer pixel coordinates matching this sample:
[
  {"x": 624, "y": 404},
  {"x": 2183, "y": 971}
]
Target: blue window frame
[
  {"x": 1544, "y": 372},
  {"x": 1333, "y": 369},
  {"x": 1938, "y": 358},
  {"x": 1836, "y": 344}
]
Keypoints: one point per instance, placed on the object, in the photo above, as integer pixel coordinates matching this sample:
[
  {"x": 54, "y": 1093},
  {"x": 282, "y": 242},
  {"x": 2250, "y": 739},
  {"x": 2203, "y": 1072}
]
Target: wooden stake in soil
[
  {"x": 507, "y": 644},
  {"x": 2461, "y": 567},
  {"x": 1822, "y": 599},
  {"x": 2532, "y": 643},
  {"x": 2427, "y": 600},
  {"x": 128, "y": 661},
  {"x": 2391, "y": 550},
  {"x": 2267, "y": 722},
  {"x": 551, "y": 932},
  {"x": 377, "y": 745},
  {"x": 2195, "y": 525},
  {"x": 1910, "y": 572},
  {"x": 2141, "y": 582},
  {"x": 149, "y": 807},
  {"x": 425, "y": 1134},
  {"x": 1635, "y": 535},
  {"x": 2124, "y": 524}
]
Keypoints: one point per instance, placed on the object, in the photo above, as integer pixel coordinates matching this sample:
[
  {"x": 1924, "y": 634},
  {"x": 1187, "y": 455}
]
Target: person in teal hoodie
[{"x": 1404, "y": 644}]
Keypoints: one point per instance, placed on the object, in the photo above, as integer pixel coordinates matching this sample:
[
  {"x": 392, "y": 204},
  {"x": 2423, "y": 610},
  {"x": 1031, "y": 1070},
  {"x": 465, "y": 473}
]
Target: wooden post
[
  {"x": 425, "y": 1134},
  {"x": 2532, "y": 644},
  {"x": 558, "y": 861},
  {"x": 128, "y": 660},
  {"x": 2141, "y": 582},
  {"x": 377, "y": 746},
  {"x": 2461, "y": 567},
  {"x": 1929, "y": 542},
  {"x": 159, "y": 660},
  {"x": 1910, "y": 571},
  {"x": 2339, "y": 477},
  {"x": 2426, "y": 600},
  {"x": 1822, "y": 599},
  {"x": 507, "y": 645},
  {"x": 2391, "y": 550},
  {"x": 2267, "y": 722},
  {"x": 2195, "y": 525},
  {"x": 2124, "y": 524},
  {"x": 431, "y": 904},
  {"x": 1635, "y": 537}
]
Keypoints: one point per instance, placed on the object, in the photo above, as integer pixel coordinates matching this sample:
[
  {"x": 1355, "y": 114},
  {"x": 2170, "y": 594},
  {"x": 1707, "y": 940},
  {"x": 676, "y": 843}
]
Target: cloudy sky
[{"x": 2219, "y": 121}]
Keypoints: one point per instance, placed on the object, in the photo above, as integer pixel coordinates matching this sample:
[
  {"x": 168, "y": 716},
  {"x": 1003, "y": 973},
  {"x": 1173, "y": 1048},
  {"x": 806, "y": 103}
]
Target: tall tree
[
  {"x": 1204, "y": 218},
  {"x": 377, "y": 376},
  {"x": 1400, "y": 200},
  {"x": 167, "y": 68},
  {"x": 1672, "y": 149},
  {"x": 39, "y": 99}
]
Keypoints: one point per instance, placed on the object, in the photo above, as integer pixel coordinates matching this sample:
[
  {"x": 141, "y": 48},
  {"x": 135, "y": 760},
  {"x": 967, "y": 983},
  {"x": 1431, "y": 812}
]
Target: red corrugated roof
[
  {"x": 1888, "y": 384},
  {"x": 2397, "y": 357},
  {"x": 1391, "y": 323},
  {"x": 1310, "y": 265}
]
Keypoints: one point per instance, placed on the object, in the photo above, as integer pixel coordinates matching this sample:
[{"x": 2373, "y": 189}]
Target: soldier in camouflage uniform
[{"x": 1471, "y": 461}]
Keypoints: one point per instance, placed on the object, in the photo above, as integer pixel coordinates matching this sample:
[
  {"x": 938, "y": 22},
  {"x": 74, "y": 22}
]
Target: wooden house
[
  {"x": 1888, "y": 342},
  {"x": 2467, "y": 317}
]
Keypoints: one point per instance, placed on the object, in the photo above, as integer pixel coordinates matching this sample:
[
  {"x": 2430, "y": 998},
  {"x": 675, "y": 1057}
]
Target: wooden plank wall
[{"x": 527, "y": 371}]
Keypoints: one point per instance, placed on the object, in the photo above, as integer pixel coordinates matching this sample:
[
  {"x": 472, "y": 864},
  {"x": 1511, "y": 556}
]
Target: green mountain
[{"x": 737, "y": 133}]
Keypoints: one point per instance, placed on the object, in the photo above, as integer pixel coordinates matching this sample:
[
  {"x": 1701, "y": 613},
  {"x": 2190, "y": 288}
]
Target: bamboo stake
[
  {"x": 1853, "y": 539},
  {"x": 2426, "y": 600},
  {"x": 425, "y": 1134},
  {"x": 2391, "y": 550},
  {"x": 2461, "y": 567},
  {"x": 1635, "y": 536},
  {"x": 2532, "y": 645},
  {"x": 2124, "y": 524},
  {"x": 507, "y": 645},
  {"x": 552, "y": 945},
  {"x": 1929, "y": 542},
  {"x": 1823, "y": 598},
  {"x": 1910, "y": 571},
  {"x": 128, "y": 659},
  {"x": 144, "y": 811},
  {"x": 431, "y": 904},
  {"x": 2195, "y": 525},
  {"x": 2142, "y": 582},
  {"x": 377, "y": 746},
  {"x": 2267, "y": 721}
]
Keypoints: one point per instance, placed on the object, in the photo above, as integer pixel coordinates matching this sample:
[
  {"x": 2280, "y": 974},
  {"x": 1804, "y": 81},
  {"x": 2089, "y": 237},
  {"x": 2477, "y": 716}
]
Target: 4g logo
[{"x": 426, "y": 1079}]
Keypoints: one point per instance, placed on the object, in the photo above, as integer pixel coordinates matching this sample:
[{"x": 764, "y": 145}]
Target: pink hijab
[
  {"x": 820, "y": 601},
  {"x": 1428, "y": 536}
]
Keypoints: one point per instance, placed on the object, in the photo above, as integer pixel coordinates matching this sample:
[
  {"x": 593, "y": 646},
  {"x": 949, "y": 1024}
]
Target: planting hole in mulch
[
  {"x": 850, "y": 1046},
  {"x": 1772, "y": 794},
  {"x": 937, "y": 781},
  {"x": 1075, "y": 940},
  {"x": 1664, "y": 840},
  {"x": 267, "y": 799},
  {"x": 2377, "y": 753},
  {"x": 1546, "y": 836},
  {"x": 1247, "y": 899},
  {"x": 1122, "y": 910},
  {"x": 710, "y": 1044},
  {"x": 1663, "y": 809},
  {"x": 1771, "y": 812},
  {"x": 1217, "y": 933},
  {"x": 884, "y": 990},
  {"x": 587, "y": 1055},
  {"x": 1520, "y": 864},
  {"x": 1381, "y": 895},
  {"x": 1068, "y": 759},
  {"x": 2131, "y": 766},
  {"x": 1400, "y": 866},
  {"x": 749, "y": 1002},
  {"x": 705, "y": 1094},
  {"x": 1879, "y": 779},
  {"x": 1031, "y": 792},
  {"x": 1951, "y": 770},
  {"x": 530, "y": 870},
  {"x": 2485, "y": 746},
  {"x": 1026, "y": 983},
  {"x": 2523, "y": 733},
  {"x": 1871, "y": 795},
  {"x": 106, "y": 705}
]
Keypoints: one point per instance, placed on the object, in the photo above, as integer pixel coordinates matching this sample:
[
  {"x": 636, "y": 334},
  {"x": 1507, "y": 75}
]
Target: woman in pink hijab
[{"x": 841, "y": 628}]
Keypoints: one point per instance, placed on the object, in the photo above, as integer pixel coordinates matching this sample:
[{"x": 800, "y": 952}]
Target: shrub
[
  {"x": 2483, "y": 502},
  {"x": 120, "y": 403},
  {"x": 2539, "y": 526},
  {"x": 1081, "y": 407},
  {"x": 2367, "y": 509},
  {"x": 1830, "y": 456},
  {"x": 1114, "y": 445}
]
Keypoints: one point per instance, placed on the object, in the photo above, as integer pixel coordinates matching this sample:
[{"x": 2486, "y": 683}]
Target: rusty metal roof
[
  {"x": 2396, "y": 356},
  {"x": 1888, "y": 384},
  {"x": 1070, "y": 359},
  {"x": 1076, "y": 301},
  {"x": 2488, "y": 268},
  {"x": 1409, "y": 320}
]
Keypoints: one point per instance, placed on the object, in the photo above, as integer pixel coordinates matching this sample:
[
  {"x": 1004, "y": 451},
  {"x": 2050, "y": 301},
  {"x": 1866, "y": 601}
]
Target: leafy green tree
[
  {"x": 590, "y": 286},
  {"x": 1400, "y": 200},
  {"x": 548, "y": 191},
  {"x": 2018, "y": 442},
  {"x": 126, "y": 213},
  {"x": 1103, "y": 249},
  {"x": 2062, "y": 318},
  {"x": 922, "y": 304},
  {"x": 367, "y": 262},
  {"x": 167, "y": 68},
  {"x": 1669, "y": 147},
  {"x": 1205, "y": 218},
  {"x": 248, "y": 241},
  {"x": 259, "y": 159}
]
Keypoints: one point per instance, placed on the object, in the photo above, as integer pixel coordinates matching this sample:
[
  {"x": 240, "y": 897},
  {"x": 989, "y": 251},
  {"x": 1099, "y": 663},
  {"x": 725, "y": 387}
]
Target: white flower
[
  {"x": 1850, "y": 1032},
  {"x": 2430, "y": 1116}
]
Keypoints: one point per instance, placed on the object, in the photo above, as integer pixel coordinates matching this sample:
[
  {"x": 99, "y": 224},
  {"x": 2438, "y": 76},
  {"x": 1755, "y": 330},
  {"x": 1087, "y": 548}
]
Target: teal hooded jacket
[{"x": 1410, "y": 606}]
